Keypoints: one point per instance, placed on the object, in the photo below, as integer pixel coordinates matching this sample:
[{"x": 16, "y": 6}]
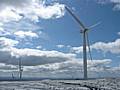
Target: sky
[{"x": 45, "y": 37}]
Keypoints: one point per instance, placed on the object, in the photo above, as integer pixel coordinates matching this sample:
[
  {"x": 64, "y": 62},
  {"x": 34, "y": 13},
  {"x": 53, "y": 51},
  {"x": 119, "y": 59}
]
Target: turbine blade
[
  {"x": 75, "y": 17},
  {"x": 89, "y": 49},
  {"x": 94, "y": 25}
]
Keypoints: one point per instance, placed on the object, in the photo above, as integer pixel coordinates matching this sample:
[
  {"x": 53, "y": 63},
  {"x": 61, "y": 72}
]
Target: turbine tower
[
  {"x": 20, "y": 68},
  {"x": 85, "y": 41}
]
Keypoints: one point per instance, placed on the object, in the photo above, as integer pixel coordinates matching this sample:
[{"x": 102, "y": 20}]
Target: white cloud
[
  {"x": 6, "y": 42},
  {"x": 6, "y": 7},
  {"x": 23, "y": 31},
  {"x": 23, "y": 34},
  {"x": 116, "y": 3},
  {"x": 112, "y": 47},
  {"x": 31, "y": 9},
  {"x": 67, "y": 69},
  {"x": 10, "y": 55},
  {"x": 24, "y": 25},
  {"x": 39, "y": 47},
  {"x": 8, "y": 15},
  {"x": 16, "y": 17},
  {"x": 3, "y": 32},
  {"x": 48, "y": 62},
  {"x": 60, "y": 46},
  {"x": 31, "y": 57},
  {"x": 77, "y": 49},
  {"x": 19, "y": 19},
  {"x": 4, "y": 67},
  {"x": 118, "y": 33},
  {"x": 18, "y": 3},
  {"x": 38, "y": 57},
  {"x": 47, "y": 12}
]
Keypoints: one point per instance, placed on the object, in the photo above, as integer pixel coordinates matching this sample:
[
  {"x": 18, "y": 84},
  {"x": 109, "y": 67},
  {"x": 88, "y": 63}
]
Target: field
[{"x": 96, "y": 84}]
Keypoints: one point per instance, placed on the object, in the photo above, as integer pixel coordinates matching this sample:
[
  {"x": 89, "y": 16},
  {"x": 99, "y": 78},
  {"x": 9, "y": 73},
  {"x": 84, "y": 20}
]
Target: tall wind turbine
[{"x": 85, "y": 40}]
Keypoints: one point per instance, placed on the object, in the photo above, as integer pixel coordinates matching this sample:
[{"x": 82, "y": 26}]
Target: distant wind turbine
[
  {"x": 20, "y": 68},
  {"x": 13, "y": 76},
  {"x": 84, "y": 31}
]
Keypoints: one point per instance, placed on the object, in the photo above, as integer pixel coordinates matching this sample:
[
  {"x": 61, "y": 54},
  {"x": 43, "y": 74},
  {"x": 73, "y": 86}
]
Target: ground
[{"x": 96, "y": 84}]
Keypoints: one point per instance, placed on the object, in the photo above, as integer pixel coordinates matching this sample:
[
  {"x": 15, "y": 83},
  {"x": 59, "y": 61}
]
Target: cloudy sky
[{"x": 48, "y": 41}]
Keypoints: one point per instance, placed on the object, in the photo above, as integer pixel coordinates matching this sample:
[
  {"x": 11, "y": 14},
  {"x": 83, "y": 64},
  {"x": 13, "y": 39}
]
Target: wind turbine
[
  {"x": 20, "y": 68},
  {"x": 84, "y": 31},
  {"x": 13, "y": 76}
]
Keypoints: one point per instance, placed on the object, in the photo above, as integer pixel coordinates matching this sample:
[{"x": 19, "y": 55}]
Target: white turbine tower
[
  {"x": 20, "y": 68},
  {"x": 84, "y": 31}
]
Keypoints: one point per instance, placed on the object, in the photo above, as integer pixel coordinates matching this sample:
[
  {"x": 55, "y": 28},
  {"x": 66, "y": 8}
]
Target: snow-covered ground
[{"x": 102, "y": 84}]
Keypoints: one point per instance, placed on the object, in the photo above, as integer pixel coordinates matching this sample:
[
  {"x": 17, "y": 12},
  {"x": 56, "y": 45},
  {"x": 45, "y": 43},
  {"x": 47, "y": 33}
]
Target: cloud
[
  {"x": 9, "y": 54},
  {"x": 116, "y": 3},
  {"x": 10, "y": 28},
  {"x": 23, "y": 34},
  {"x": 18, "y": 3},
  {"x": 63, "y": 69},
  {"x": 30, "y": 9},
  {"x": 112, "y": 47},
  {"x": 7, "y": 15},
  {"x": 20, "y": 18},
  {"x": 24, "y": 25},
  {"x": 56, "y": 63},
  {"x": 60, "y": 46},
  {"x": 23, "y": 31},
  {"x": 46, "y": 12},
  {"x": 77, "y": 49},
  {"x": 4, "y": 67},
  {"x": 118, "y": 33},
  {"x": 32, "y": 57},
  {"x": 6, "y": 42},
  {"x": 73, "y": 68},
  {"x": 39, "y": 47}
]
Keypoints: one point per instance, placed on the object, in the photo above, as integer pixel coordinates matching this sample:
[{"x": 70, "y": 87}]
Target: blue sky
[
  {"x": 48, "y": 39},
  {"x": 65, "y": 30}
]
